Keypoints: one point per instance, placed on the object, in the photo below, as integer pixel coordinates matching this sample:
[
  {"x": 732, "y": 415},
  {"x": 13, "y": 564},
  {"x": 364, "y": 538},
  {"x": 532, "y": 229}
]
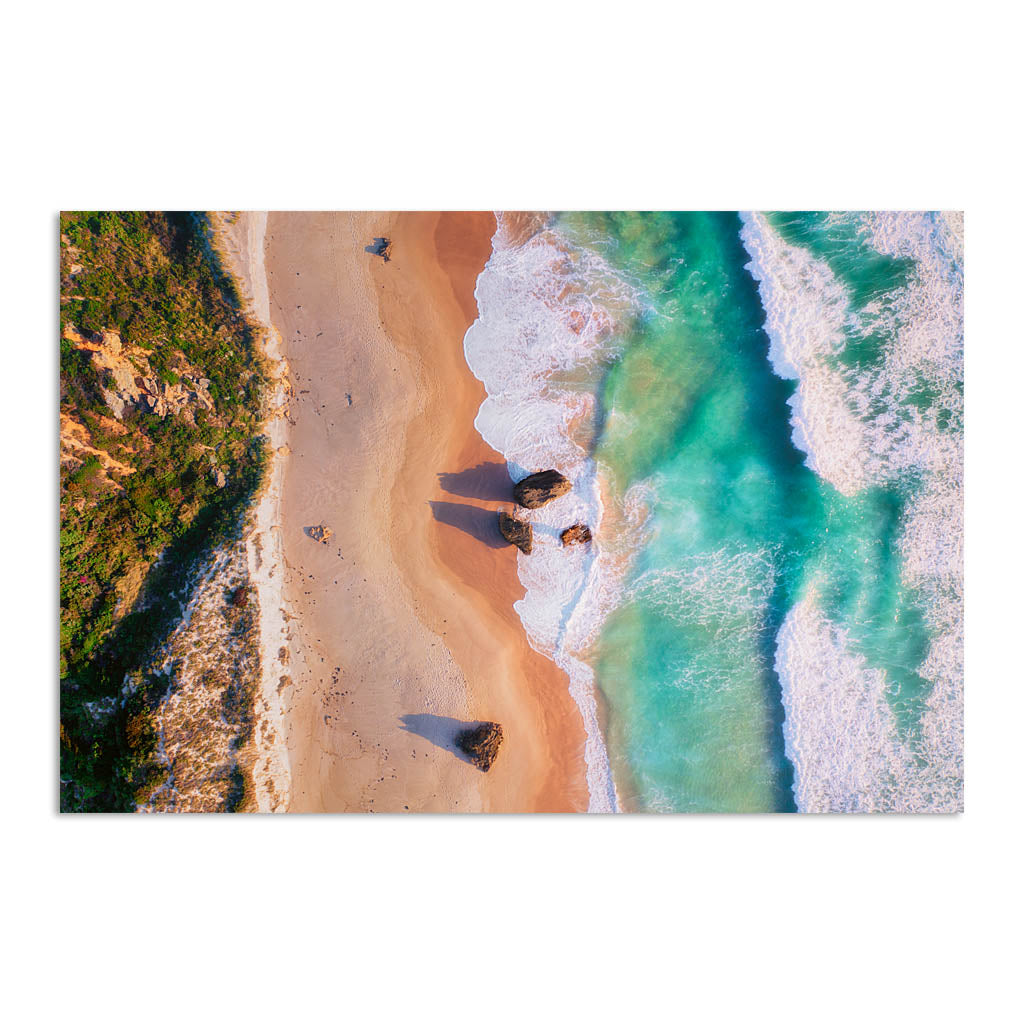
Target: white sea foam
[
  {"x": 840, "y": 732},
  {"x": 806, "y": 313},
  {"x": 725, "y": 595},
  {"x": 547, "y": 314},
  {"x": 928, "y": 343},
  {"x": 860, "y": 426},
  {"x": 710, "y": 588},
  {"x": 925, "y": 320}
]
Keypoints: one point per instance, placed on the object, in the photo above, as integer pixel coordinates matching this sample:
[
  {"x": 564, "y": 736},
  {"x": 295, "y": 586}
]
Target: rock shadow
[
  {"x": 439, "y": 730},
  {"x": 488, "y": 481},
  {"x": 380, "y": 247},
  {"x": 480, "y": 523}
]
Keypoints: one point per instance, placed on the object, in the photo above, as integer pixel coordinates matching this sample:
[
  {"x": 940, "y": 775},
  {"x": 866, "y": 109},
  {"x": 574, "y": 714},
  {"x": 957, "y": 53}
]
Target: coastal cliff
[{"x": 162, "y": 393}]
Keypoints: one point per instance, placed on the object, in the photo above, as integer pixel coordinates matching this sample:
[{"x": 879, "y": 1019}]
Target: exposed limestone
[
  {"x": 538, "y": 489},
  {"x": 576, "y": 534},
  {"x": 515, "y": 531},
  {"x": 480, "y": 744},
  {"x": 128, "y": 380},
  {"x": 115, "y": 403}
]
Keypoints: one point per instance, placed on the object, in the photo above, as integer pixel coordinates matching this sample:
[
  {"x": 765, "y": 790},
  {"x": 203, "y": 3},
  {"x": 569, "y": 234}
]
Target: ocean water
[{"x": 762, "y": 417}]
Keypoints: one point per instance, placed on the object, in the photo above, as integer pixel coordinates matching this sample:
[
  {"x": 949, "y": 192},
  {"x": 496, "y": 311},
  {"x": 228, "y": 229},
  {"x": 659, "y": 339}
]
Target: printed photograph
[{"x": 516, "y": 512}]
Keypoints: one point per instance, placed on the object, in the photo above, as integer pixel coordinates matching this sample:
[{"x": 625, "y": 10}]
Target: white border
[{"x": 535, "y": 105}]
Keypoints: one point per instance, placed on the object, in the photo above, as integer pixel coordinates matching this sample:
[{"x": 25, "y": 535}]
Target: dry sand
[
  {"x": 401, "y": 627},
  {"x": 240, "y": 241}
]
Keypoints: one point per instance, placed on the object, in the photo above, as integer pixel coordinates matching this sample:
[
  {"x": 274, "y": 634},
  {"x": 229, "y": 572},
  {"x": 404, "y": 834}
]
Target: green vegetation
[{"x": 128, "y": 544}]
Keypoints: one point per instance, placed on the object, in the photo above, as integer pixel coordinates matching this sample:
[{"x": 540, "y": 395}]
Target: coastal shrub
[{"x": 129, "y": 546}]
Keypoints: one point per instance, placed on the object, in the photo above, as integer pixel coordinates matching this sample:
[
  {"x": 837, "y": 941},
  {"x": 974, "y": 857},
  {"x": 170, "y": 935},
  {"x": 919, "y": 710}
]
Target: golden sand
[{"x": 401, "y": 626}]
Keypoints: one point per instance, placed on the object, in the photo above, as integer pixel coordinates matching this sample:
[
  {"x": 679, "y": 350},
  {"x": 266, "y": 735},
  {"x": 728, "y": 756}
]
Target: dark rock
[
  {"x": 480, "y": 743},
  {"x": 539, "y": 488},
  {"x": 515, "y": 531},
  {"x": 576, "y": 534}
]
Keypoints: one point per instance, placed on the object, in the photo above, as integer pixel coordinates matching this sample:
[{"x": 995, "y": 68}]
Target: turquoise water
[{"x": 769, "y": 411}]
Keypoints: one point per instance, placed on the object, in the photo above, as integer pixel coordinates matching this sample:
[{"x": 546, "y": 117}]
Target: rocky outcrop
[
  {"x": 576, "y": 534},
  {"x": 381, "y": 247},
  {"x": 515, "y": 531},
  {"x": 480, "y": 744},
  {"x": 538, "y": 489},
  {"x": 128, "y": 381},
  {"x": 321, "y": 533}
]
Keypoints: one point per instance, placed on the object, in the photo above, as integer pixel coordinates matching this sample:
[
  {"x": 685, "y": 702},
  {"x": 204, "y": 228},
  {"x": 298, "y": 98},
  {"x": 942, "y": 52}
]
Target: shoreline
[
  {"x": 474, "y": 574},
  {"x": 242, "y": 241},
  {"x": 401, "y": 628}
]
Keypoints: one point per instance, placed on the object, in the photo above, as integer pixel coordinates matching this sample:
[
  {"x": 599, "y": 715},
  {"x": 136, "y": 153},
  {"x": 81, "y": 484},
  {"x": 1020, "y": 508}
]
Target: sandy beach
[{"x": 399, "y": 630}]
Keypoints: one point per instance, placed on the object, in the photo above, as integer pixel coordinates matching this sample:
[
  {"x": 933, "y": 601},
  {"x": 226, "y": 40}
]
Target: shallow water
[{"x": 762, "y": 419}]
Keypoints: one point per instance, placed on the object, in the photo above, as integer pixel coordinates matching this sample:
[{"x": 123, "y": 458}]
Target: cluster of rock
[
  {"x": 480, "y": 744},
  {"x": 321, "y": 533},
  {"x": 128, "y": 380},
  {"x": 535, "y": 491}
]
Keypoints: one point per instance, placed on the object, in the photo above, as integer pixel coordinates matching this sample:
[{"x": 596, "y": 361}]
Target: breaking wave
[
  {"x": 548, "y": 317},
  {"x": 896, "y": 421}
]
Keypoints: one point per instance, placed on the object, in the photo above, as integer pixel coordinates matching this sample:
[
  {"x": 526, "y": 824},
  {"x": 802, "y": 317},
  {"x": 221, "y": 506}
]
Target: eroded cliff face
[
  {"x": 128, "y": 381},
  {"x": 76, "y": 446}
]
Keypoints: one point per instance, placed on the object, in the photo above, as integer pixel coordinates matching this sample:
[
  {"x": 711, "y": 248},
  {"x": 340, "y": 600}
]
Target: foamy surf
[
  {"x": 806, "y": 313},
  {"x": 840, "y": 731},
  {"x": 892, "y": 421},
  {"x": 717, "y": 557},
  {"x": 547, "y": 313}
]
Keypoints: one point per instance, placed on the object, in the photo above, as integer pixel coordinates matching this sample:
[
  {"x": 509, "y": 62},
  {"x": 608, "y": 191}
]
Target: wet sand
[{"x": 401, "y": 627}]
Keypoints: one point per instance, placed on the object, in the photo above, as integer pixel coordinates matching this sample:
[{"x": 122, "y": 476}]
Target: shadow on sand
[
  {"x": 438, "y": 730},
  {"x": 480, "y": 523},
  {"x": 380, "y": 247},
  {"x": 488, "y": 481},
  {"x": 313, "y": 533}
]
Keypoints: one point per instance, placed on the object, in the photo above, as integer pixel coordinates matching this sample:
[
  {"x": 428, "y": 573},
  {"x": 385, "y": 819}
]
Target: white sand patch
[{"x": 244, "y": 244}]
